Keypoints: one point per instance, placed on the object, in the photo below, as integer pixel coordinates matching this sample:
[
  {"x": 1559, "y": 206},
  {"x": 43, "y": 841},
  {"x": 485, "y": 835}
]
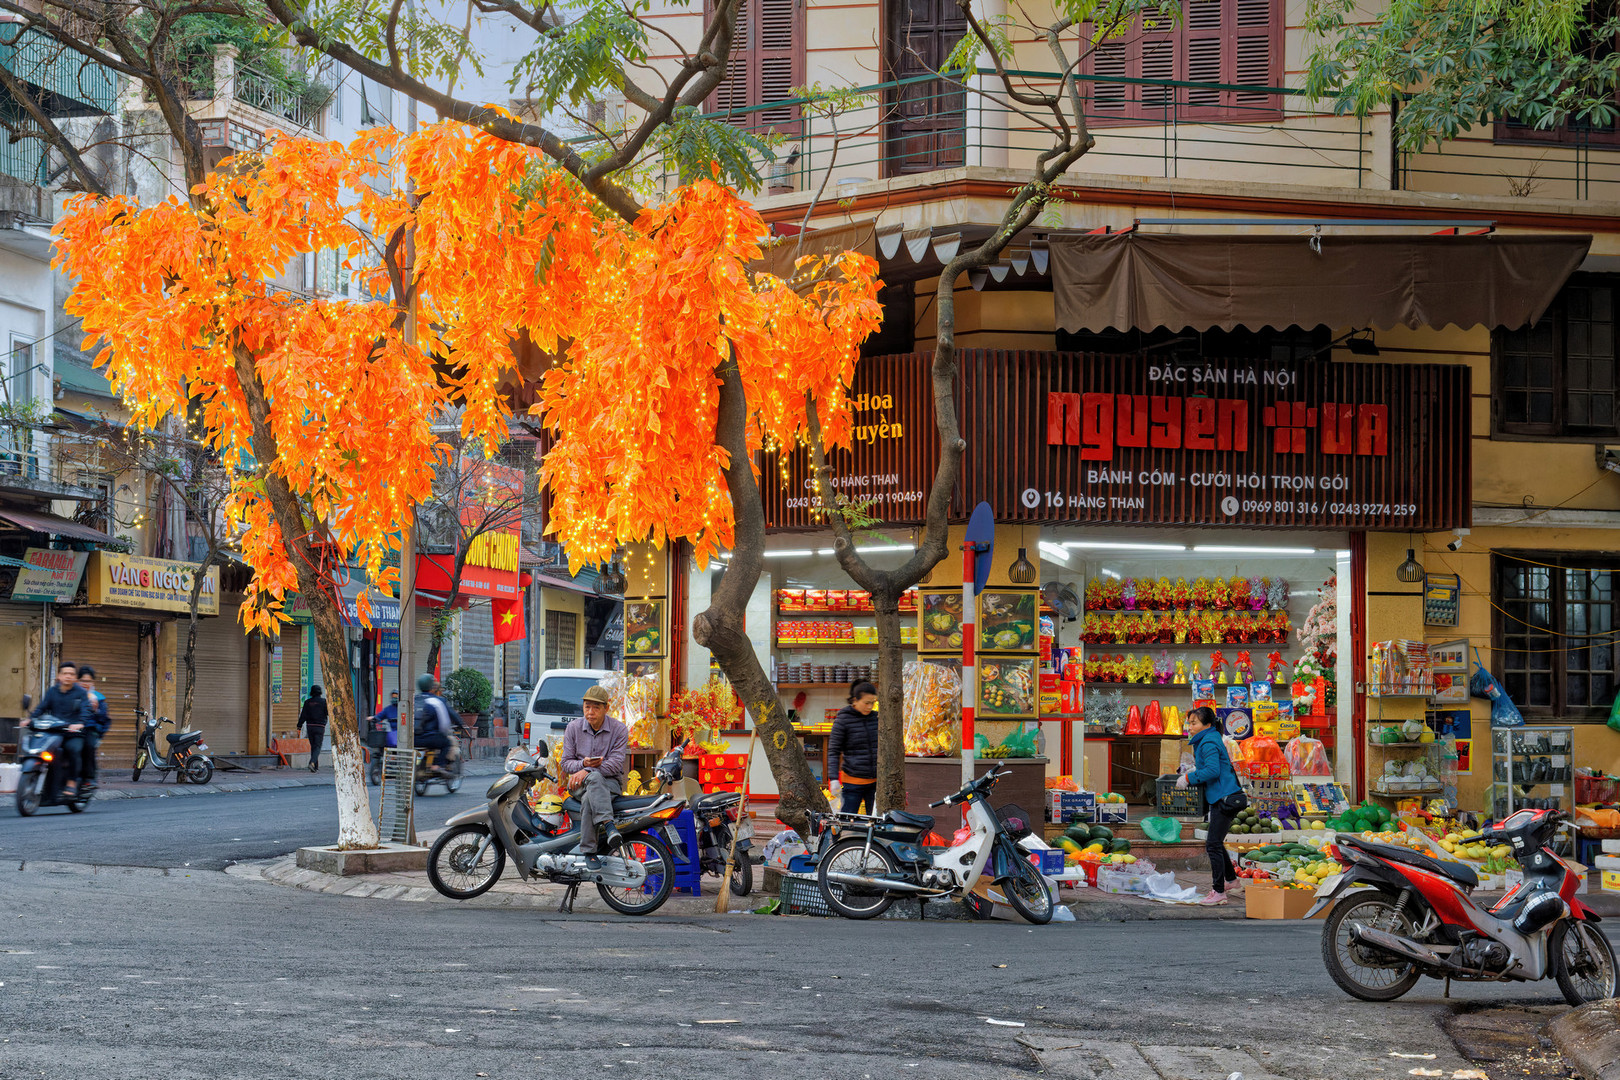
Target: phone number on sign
[{"x": 1338, "y": 509}]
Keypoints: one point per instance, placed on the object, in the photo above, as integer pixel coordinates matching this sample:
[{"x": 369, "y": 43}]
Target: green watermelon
[
  {"x": 1121, "y": 847},
  {"x": 1079, "y": 833},
  {"x": 1098, "y": 832}
]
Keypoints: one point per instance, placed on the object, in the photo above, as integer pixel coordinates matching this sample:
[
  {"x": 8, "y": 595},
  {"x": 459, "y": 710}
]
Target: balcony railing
[
  {"x": 72, "y": 85},
  {"x": 272, "y": 95},
  {"x": 52, "y": 462},
  {"x": 1154, "y": 129}
]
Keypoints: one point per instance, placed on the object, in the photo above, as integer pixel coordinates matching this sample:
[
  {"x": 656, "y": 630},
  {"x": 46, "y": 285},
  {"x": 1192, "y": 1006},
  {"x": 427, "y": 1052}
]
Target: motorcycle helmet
[
  {"x": 1540, "y": 912},
  {"x": 424, "y": 684}
]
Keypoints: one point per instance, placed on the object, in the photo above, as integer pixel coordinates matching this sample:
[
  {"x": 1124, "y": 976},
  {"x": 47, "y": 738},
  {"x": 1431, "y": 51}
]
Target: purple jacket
[{"x": 610, "y": 744}]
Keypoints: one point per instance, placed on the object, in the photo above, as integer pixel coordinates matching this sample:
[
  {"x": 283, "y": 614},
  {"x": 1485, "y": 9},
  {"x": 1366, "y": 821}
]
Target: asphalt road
[
  {"x": 200, "y": 831},
  {"x": 199, "y": 976}
]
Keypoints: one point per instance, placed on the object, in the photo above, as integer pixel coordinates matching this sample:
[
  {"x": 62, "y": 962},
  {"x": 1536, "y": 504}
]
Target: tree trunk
[
  {"x": 356, "y": 827},
  {"x": 721, "y": 628},
  {"x": 891, "y": 789}
]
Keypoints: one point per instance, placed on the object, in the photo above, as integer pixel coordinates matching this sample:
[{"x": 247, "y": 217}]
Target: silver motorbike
[{"x": 638, "y": 870}]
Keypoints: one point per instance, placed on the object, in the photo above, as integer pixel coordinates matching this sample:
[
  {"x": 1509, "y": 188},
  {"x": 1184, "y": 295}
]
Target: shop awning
[
  {"x": 52, "y": 525},
  {"x": 1144, "y": 281},
  {"x": 782, "y": 255}
]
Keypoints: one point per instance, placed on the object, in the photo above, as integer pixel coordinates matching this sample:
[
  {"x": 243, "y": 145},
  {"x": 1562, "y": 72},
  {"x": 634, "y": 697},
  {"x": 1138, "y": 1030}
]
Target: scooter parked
[
  {"x": 879, "y": 858},
  {"x": 716, "y": 816},
  {"x": 1399, "y": 915},
  {"x": 637, "y": 871},
  {"x": 43, "y": 776},
  {"x": 186, "y": 756}
]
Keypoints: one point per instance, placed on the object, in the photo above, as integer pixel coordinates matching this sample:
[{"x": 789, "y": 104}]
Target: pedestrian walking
[
  {"x": 1212, "y": 767},
  {"x": 852, "y": 749},
  {"x": 312, "y": 718}
]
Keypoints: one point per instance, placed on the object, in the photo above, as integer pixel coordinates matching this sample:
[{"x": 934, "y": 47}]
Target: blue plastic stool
[{"x": 688, "y": 871}]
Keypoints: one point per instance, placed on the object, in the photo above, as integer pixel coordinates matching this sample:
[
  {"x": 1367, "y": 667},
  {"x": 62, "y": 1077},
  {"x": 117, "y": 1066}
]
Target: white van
[{"x": 557, "y": 699}]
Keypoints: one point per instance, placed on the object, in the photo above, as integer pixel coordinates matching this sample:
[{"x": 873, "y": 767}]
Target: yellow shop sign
[{"x": 154, "y": 584}]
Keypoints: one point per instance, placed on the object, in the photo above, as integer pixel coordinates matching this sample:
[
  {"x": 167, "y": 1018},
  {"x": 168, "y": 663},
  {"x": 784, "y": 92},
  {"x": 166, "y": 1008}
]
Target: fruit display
[
  {"x": 1095, "y": 844},
  {"x": 1007, "y": 687},
  {"x": 1250, "y": 821},
  {"x": 932, "y": 704},
  {"x": 1007, "y": 621},
  {"x": 1468, "y": 845},
  {"x": 1366, "y": 818}
]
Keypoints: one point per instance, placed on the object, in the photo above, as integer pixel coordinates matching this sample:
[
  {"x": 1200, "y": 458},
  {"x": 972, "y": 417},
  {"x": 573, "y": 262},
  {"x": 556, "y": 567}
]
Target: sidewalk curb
[
  {"x": 124, "y": 789},
  {"x": 1589, "y": 1039}
]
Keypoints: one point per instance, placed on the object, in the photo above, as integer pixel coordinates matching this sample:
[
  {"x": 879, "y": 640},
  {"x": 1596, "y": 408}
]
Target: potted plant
[{"x": 471, "y": 694}]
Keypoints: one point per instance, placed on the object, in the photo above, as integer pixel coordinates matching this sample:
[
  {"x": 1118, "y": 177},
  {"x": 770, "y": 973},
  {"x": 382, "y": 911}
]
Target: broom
[{"x": 722, "y": 903}]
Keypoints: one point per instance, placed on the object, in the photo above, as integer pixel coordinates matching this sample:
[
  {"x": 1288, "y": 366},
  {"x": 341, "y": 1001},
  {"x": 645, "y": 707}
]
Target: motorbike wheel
[
  {"x": 198, "y": 770},
  {"x": 1582, "y": 962},
  {"x": 79, "y": 805},
  {"x": 28, "y": 796},
  {"x": 1362, "y": 972},
  {"x": 451, "y": 868},
  {"x": 1027, "y": 892},
  {"x": 850, "y": 857},
  {"x": 646, "y": 899},
  {"x": 140, "y": 763},
  {"x": 452, "y": 783},
  {"x": 742, "y": 875},
  {"x": 421, "y": 788}
]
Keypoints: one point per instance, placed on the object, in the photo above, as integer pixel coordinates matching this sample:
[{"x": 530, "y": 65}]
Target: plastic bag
[
  {"x": 1172, "y": 720},
  {"x": 1503, "y": 712},
  {"x": 932, "y": 707},
  {"x": 1061, "y": 913},
  {"x": 1163, "y": 887},
  {"x": 1307, "y": 757},
  {"x": 1153, "y": 720},
  {"x": 1614, "y": 714},
  {"x": 1161, "y": 830}
]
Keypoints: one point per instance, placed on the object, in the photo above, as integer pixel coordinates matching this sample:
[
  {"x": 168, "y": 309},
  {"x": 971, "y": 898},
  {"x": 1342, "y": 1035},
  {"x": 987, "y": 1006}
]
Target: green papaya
[
  {"x": 1098, "y": 832},
  {"x": 1121, "y": 847}
]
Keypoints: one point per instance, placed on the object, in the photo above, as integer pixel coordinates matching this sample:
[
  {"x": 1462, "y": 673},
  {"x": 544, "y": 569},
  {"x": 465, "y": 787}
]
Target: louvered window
[
  {"x": 1229, "y": 42},
  {"x": 766, "y": 65}
]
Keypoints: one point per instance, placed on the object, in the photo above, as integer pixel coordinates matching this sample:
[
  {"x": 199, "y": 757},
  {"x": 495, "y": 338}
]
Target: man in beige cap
[{"x": 593, "y": 761}]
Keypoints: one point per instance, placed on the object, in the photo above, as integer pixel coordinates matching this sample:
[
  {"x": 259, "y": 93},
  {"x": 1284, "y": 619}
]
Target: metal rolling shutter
[
  {"x": 478, "y": 640},
  {"x": 284, "y": 713},
  {"x": 113, "y": 649},
  {"x": 219, "y": 706}
]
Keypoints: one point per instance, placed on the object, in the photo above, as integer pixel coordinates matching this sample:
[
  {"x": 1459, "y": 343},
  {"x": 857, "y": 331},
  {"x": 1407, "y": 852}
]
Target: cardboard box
[
  {"x": 1611, "y": 881},
  {"x": 1112, "y": 814},
  {"x": 1607, "y": 862},
  {"x": 1065, "y": 807},
  {"x": 1610, "y": 847},
  {"x": 1272, "y": 902}
]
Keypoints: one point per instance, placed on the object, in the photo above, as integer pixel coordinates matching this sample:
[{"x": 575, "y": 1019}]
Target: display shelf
[
  {"x": 814, "y": 685},
  {"x": 1162, "y": 686},
  {"x": 1128, "y": 646},
  {"x": 869, "y": 646},
  {"x": 1427, "y": 789},
  {"x": 1514, "y": 748}
]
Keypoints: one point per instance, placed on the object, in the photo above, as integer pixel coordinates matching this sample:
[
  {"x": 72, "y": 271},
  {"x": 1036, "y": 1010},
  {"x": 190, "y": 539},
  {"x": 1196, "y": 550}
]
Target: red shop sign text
[{"x": 1101, "y": 423}]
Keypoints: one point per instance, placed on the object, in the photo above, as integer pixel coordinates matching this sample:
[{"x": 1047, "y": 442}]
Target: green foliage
[
  {"x": 261, "y": 44},
  {"x": 696, "y": 143},
  {"x": 469, "y": 690},
  {"x": 429, "y": 48},
  {"x": 1454, "y": 64},
  {"x": 578, "y": 61}
]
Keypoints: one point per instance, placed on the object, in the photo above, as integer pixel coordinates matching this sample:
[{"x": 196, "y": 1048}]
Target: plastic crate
[
  {"x": 722, "y": 761},
  {"x": 688, "y": 872},
  {"x": 1592, "y": 789},
  {"x": 801, "y": 895},
  {"x": 1179, "y": 802}
]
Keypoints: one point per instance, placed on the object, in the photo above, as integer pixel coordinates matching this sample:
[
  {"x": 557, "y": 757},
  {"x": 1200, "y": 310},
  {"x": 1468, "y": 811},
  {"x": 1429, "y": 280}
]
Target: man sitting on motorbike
[
  {"x": 433, "y": 722},
  {"x": 96, "y": 724},
  {"x": 66, "y": 700},
  {"x": 593, "y": 761}
]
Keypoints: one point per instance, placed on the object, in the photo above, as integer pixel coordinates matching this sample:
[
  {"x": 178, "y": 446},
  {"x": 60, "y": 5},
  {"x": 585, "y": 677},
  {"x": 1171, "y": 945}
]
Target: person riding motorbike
[
  {"x": 66, "y": 700},
  {"x": 96, "y": 724},
  {"x": 433, "y": 723}
]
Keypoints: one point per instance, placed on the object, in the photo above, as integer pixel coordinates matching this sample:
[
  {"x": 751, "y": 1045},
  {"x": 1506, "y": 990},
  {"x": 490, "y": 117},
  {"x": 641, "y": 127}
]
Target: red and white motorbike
[{"x": 1399, "y": 914}]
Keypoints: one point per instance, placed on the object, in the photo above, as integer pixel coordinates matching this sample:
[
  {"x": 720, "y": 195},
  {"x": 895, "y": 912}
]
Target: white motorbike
[{"x": 877, "y": 859}]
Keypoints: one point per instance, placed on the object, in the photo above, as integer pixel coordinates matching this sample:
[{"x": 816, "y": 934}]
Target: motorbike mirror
[{"x": 540, "y": 751}]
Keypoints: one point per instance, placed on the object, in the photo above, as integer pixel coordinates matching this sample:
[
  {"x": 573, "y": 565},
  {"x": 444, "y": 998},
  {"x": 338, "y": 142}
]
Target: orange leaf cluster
[{"x": 174, "y": 295}]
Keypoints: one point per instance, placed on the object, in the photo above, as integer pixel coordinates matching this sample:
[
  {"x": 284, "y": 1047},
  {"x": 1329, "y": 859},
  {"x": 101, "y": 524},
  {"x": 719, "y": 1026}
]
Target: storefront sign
[
  {"x": 383, "y": 609},
  {"x": 275, "y": 675},
  {"x": 153, "y": 584},
  {"x": 1069, "y": 438},
  {"x": 492, "y": 511},
  {"x": 49, "y": 576},
  {"x": 388, "y": 652}
]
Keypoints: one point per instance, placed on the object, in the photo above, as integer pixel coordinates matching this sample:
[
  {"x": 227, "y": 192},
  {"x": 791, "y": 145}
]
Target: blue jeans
[{"x": 852, "y": 795}]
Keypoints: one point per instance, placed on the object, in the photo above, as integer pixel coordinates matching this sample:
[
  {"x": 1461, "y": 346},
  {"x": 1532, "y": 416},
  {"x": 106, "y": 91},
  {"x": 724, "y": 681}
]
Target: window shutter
[
  {"x": 1204, "y": 31},
  {"x": 766, "y": 64},
  {"x": 1256, "y": 60},
  {"x": 1110, "y": 60}
]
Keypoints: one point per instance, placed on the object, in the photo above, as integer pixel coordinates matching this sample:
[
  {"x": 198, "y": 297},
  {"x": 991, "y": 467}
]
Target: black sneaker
[{"x": 593, "y": 864}]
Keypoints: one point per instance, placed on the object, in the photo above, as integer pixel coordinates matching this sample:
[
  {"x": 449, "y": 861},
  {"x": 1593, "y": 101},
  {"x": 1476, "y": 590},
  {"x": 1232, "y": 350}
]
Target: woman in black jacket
[
  {"x": 852, "y": 751},
  {"x": 312, "y": 718}
]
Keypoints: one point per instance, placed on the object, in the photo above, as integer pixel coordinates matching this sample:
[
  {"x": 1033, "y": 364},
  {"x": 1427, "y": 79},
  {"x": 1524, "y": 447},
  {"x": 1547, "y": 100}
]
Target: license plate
[{"x": 1327, "y": 886}]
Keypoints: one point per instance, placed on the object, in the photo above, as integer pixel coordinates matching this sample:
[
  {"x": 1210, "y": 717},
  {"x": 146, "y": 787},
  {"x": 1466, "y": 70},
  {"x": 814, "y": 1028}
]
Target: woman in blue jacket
[{"x": 1222, "y": 791}]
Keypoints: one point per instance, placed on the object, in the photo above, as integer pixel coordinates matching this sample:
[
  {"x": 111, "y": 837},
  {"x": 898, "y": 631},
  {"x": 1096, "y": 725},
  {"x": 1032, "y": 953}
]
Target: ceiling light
[
  {"x": 790, "y": 553},
  {"x": 1411, "y": 569},
  {"x": 1121, "y": 545},
  {"x": 1054, "y": 552},
  {"x": 1229, "y": 549},
  {"x": 886, "y": 547},
  {"x": 1105, "y": 572},
  {"x": 1022, "y": 571},
  {"x": 825, "y": 551}
]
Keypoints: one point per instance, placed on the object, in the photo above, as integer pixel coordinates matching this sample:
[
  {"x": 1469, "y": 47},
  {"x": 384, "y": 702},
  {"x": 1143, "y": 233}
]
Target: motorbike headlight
[{"x": 46, "y": 755}]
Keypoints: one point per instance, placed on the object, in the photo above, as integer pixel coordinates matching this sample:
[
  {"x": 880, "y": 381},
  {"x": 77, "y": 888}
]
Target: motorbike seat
[
  {"x": 716, "y": 799},
  {"x": 1457, "y": 872},
  {"x": 623, "y": 803},
  {"x": 921, "y": 822},
  {"x": 183, "y": 738}
]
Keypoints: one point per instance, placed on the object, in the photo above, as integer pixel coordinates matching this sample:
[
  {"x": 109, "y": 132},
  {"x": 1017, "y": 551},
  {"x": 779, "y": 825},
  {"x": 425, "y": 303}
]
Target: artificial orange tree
[{"x": 324, "y": 406}]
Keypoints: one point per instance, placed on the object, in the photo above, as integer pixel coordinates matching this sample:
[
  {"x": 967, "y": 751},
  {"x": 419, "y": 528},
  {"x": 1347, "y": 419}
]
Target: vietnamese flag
[{"x": 508, "y": 616}]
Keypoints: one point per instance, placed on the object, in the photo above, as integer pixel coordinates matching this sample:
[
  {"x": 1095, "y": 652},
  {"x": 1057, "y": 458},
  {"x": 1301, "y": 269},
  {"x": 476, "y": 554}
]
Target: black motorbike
[
  {"x": 430, "y": 770},
  {"x": 186, "y": 756},
  {"x": 44, "y": 766},
  {"x": 637, "y": 871}
]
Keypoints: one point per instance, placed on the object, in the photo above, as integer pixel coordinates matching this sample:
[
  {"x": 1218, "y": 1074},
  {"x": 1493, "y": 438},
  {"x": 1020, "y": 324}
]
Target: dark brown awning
[
  {"x": 51, "y": 525},
  {"x": 1144, "y": 281},
  {"x": 780, "y": 258}
]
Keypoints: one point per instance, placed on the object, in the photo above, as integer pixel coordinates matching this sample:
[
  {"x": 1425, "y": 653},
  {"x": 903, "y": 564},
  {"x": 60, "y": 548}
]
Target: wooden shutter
[
  {"x": 1233, "y": 42},
  {"x": 765, "y": 66}
]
